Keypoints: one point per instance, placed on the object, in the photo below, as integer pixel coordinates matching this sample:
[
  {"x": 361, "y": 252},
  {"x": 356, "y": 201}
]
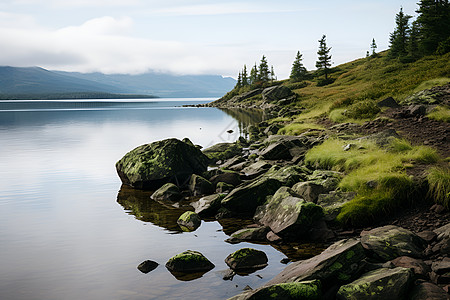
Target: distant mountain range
[{"x": 36, "y": 81}]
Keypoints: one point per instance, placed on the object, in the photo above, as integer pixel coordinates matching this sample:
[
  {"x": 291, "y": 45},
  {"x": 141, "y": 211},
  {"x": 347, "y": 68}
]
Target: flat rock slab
[
  {"x": 389, "y": 242},
  {"x": 386, "y": 284},
  {"x": 338, "y": 264}
]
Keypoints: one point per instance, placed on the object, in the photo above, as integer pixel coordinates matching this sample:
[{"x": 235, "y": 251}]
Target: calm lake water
[{"x": 69, "y": 230}]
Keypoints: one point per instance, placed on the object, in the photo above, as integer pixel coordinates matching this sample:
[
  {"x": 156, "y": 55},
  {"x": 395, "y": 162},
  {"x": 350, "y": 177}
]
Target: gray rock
[
  {"x": 208, "y": 206},
  {"x": 232, "y": 162},
  {"x": 419, "y": 267},
  {"x": 389, "y": 284},
  {"x": 276, "y": 93},
  {"x": 278, "y": 150},
  {"x": 147, "y": 266},
  {"x": 222, "y": 151},
  {"x": 256, "y": 169},
  {"x": 443, "y": 232},
  {"x": 333, "y": 202},
  {"x": 287, "y": 215},
  {"x": 383, "y": 138},
  {"x": 388, "y": 102},
  {"x": 232, "y": 178},
  {"x": 223, "y": 187},
  {"x": 200, "y": 186},
  {"x": 257, "y": 234},
  {"x": 189, "y": 262},
  {"x": 152, "y": 165},
  {"x": 338, "y": 264},
  {"x": 308, "y": 190},
  {"x": 389, "y": 242},
  {"x": 189, "y": 221},
  {"x": 168, "y": 192},
  {"x": 246, "y": 258}
]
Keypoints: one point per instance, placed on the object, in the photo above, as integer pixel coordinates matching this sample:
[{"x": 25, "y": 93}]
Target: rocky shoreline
[{"x": 264, "y": 177}]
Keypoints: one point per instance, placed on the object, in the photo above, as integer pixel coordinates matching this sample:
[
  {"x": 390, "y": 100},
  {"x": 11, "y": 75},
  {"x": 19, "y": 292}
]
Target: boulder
[
  {"x": 276, "y": 93},
  {"x": 329, "y": 180},
  {"x": 441, "y": 271},
  {"x": 278, "y": 150},
  {"x": 338, "y": 264},
  {"x": 256, "y": 169},
  {"x": 272, "y": 129},
  {"x": 419, "y": 267},
  {"x": 246, "y": 197},
  {"x": 428, "y": 291},
  {"x": 305, "y": 290},
  {"x": 222, "y": 151},
  {"x": 223, "y": 187},
  {"x": 383, "y": 138},
  {"x": 152, "y": 165},
  {"x": 200, "y": 186},
  {"x": 231, "y": 178},
  {"x": 388, "y": 284},
  {"x": 333, "y": 202},
  {"x": 388, "y": 102},
  {"x": 232, "y": 162},
  {"x": 389, "y": 242},
  {"x": 168, "y": 192},
  {"x": 246, "y": 259},
  {"x": 288, "y": 215},
  {"x": 189, "y": 262},
  {"x": 208, "y": 206},
  {"x": 147, "y": 266},
  {"x": 189, "y": 221},
  {"x": 257, "y": 234},
  {"x": 308, "y": 190}
]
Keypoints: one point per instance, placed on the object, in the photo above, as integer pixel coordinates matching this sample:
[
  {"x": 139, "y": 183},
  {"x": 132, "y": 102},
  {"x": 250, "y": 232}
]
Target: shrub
[
  {"x": 439, "y": 185},
  {"x": 362, "y": 110},
  {"x": 440, "y": 113}
]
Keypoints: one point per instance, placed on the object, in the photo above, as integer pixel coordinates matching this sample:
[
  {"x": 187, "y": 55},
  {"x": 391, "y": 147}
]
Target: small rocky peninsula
[{"x": 386, "y": 236}]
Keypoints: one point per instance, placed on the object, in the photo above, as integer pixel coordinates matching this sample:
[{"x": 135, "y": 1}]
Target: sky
[{"x": 191, "y": 36}]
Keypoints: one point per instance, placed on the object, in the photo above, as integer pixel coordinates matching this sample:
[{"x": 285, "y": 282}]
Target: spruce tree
[
  {"x": 239, "y": 81},
  {"x": 373, "y": 47},
  {"x": 244, "y": 77},
  {"x": 324, "y": 60},
  {"x": 413, "y": 42},
  {"x": 264, "y": 70},
  {"x": 399, "y": 38},
  {"x": 254, "y": 75},
  {"x": 272, "y": 74},
  {"x": 298, "y": 71},
  {"x": 434, "y": 23}
]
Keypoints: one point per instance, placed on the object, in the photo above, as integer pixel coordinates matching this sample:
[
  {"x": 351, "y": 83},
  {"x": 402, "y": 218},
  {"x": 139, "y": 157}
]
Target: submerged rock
[
  {"x": 246, "y": 259},
  {"x": 168, "y": 192},
  {"x": 147, "y": 266},
  {"x": 379, "y": 284},
  {"x": 189, "y": 220},
  {"x": 152, "y": 165},
  {"x": 189, "y": 262}
]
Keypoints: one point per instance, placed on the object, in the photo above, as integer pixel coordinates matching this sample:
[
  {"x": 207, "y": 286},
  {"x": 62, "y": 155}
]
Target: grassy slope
[{"x": 374, "y": 79}]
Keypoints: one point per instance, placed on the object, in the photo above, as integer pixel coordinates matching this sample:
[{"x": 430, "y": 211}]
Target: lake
[{"x": 69, "y": 230}]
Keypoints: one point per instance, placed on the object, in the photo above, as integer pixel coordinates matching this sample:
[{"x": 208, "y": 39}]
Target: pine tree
[
  {"x": 324, "y": 60},
  {"x": 254, "y": 75},
  {"x": 367, "y": 54},
  {"x": 244, "y": 77},
  {"x": 413, "y": 42},
  {"x": 434, "y": 23},
  {"x": 373, "y": 47},
  {"x": 272, "y": 74},
  {"x": 239, "y": 81},
  {"x": 399, "y": 38},
  {"x": 298, "y": 71},
  {"x": 264, "y": 70}
]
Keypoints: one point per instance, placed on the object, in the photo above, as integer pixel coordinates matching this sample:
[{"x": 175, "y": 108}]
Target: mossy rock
[
  {"x": 305, "y": 290},
  {"x": 379, "y": 284},
  {"x": 189, "y": 262},
  {"x": 208, "y": 206},
  {"x": 389, "y": 242},
  {"x": 200, "y": 186},
  {"x": 222, "y": 151},
  {"x": 189, "y": 221},
  {"x": 223, "y": 187},
  {"x": 257, "y": 234},
  {"x": 246, "y": 259},
  {"x": 152, "y": 165},
  {"x": 168, "y": 192}
]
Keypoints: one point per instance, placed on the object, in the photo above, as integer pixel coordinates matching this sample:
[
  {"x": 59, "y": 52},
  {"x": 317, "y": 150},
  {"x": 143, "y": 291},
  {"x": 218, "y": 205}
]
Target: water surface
[{"x": 69, "y": 230}]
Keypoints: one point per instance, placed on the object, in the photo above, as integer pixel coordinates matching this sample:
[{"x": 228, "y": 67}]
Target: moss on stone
[{"x": 307, "y": 290}]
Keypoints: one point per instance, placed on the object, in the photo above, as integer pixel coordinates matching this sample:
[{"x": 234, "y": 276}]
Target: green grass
[
  {"x": 377, "y": 175},
  {"x": 298, "y": 128},
  {"x": 439, "y": 185},
  {"x": 440, "y": 113}
]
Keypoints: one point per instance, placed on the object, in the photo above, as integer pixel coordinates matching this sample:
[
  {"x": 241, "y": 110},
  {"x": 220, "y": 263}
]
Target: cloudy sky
[{"x": 191, "y": 36}]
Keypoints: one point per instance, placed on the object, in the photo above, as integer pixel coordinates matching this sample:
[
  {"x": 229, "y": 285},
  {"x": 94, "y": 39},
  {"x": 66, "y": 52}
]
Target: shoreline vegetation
[{"x": 354, "y": 156}]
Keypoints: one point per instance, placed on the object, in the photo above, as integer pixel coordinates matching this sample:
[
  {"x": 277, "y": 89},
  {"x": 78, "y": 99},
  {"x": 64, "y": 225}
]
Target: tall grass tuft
[{"x": 439, "y": 185}]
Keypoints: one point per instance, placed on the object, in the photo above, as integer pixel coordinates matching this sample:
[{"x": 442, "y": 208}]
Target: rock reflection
[
  {"x": 138, "y": 203},
  {"x": 187, "y": 276}
]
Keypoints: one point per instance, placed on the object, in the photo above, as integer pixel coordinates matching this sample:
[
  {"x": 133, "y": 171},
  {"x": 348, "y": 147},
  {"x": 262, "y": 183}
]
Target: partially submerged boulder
[
  {"x": 379, "y": 284},
  {"x": 189, "y": 221},
  {"x": 288, "y": 215},
  {"x": 246, "y": 259},
  {"x": 189, "y": 262},
  {"x": 168, "y": 192},
  {"x": 208, "y": 206},
  {"x": 254, "y": 234},
  {"x": 147, "y": 266},
  {"x": 389, "y": 242},
  {"x": 152, "y": 165}
]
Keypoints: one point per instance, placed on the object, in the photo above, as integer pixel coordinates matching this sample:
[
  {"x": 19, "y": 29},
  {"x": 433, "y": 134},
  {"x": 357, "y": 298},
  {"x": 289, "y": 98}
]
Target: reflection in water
[
  {"x": 138, "y": 203},
  {"x": 187, "y": 276},
  {"x": 245, "y": 116}
]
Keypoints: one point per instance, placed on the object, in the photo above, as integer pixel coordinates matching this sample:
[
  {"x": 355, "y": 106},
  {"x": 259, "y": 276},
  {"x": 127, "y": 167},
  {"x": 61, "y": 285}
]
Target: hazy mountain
[{"x": 35, "y": 80}]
